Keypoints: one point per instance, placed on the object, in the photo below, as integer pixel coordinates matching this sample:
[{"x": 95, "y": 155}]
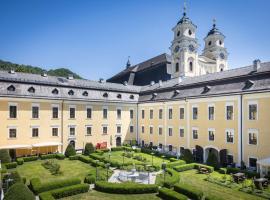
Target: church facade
[{"x": 170, "y": 102}]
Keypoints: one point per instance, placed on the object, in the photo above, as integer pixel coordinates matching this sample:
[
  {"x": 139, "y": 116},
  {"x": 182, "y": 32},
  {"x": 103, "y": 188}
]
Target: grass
[
  {"x": 69, "y": 168},
  {"x": 95, "y": 195},
  {"x": 197, "y": 180}
]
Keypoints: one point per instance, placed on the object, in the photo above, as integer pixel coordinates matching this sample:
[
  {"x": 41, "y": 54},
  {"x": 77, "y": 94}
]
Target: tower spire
[
  {"x": 185, "y": 8},
  {"x": 128, "y": 62},
  {"x": 214, "y": 22}
]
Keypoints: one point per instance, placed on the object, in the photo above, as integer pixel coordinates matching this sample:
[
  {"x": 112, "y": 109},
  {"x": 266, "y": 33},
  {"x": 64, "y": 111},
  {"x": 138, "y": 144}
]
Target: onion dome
[{"x": 214, "y": 30}]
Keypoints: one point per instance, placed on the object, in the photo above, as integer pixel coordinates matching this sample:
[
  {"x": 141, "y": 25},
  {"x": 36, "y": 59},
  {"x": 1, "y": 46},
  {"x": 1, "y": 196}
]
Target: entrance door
[
  {"x": 118, "y": 141},
  {"x": 12, "y": 153}
]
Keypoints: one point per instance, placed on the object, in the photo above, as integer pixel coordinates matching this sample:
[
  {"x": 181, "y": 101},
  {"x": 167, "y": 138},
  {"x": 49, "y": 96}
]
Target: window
[
  {"x": 181, "y": 113},
  {"x": 89, "y": 130},
  {"x": 230, "y": 136},
  {"x": 71, "y": 92},
  {"x": 230, "y": 159},
  {"x": 178, "y": 33},
  {"x": 194, "y": 113},
  {"x": 72, "y": 112},
  {"x": 89, "y": 113},
  {"x": 11, "y": 88},
  {"x": 151, "y": 129},
  {"x": 55, "y": 91},
  {"x": 55, "y": 131},
  {"x": 55, "y": 112},
  {"x": 13, "y": 111},
  {"x": 195, "y": 134},
  {"x": 34, "y": 132},
  {"x": 252, "y": 111},
  {"x": 104, "y": 130},
  {"x": 177, "y": 67},
  {"x": 31, "y": 90},
  {"x": 105, "y": 95},
  {"x": 181, "y": 132},
  {"x": 211, "y": 135},
  {"x": 142, "y": 129},
  {"x": 190, "y": 66},
  {"x": 118, "y": 113},
  {"x": 131, "y": 96},
  {"x": 151, "y": 114},
  {"x": 105, "y": 113},
  {"x": 119, "y": 96},
  {"x": 170, "y": 147},
  {"x": 85, "y": 93},
  {"x": 209, "y": 43},
  {"x": 12, "y": 133},
  {"x": 229, "y": 112},
  {"x": 71, "y": 131},
  {"x": 160, "y": 130},
  {"x": 118, "y": 129},
  {"x": 131, "y": 129},
  {"x": 189, "y": 32},
  {"x": 143, "y": 114},
  {"x": 252, "y": 137},
  {"x": 131, "y": 114},
  {"x": 35, "y": 112},
  {"x": 253, "y": 162},
  {"x": 211, "y": 112},
  {"x": 170, "y": 113},
  {"x": 170, "y": 131},
  {"x": 160, "y": 113}
]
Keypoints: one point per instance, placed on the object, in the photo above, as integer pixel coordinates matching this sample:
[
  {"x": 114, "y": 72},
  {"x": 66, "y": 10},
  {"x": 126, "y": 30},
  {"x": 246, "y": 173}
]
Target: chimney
[
  {"x": 12, "y": 71},
  {"x": 256, "y": 64},
  {"x": 70, "y": 77},
  {"x": 160, "y": 83},
  {"x": 152, "y": 83}
]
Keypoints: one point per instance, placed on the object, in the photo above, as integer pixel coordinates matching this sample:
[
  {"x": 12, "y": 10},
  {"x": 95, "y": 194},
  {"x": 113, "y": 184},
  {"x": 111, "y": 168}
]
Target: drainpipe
[
  {"x": 137, "y": 123},
  {"x": 241, "y": 129},
  {"x": 62, "y": 126}
]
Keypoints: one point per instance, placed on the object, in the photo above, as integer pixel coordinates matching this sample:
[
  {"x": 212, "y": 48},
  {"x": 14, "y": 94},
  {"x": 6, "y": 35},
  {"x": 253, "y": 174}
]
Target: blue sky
[{"x": 94, "y": 37}]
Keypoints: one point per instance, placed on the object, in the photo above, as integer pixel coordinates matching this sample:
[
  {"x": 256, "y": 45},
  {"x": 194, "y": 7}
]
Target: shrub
[
  {"x": 48, "y": 156},
  {"x": 181, "y": 168},
  {"x": 11, "y": 165},
  {"x": 38, "y": 187},
  {"x": 209, "y": 168},
  {"x": 176, "y": 163},
  {"x": 89, "y": 148},
  {"x": 117, "y": 148},
  {"x": 232, "y": 170},
  {"x": 19, "y": 161},
  {"x": 86, "y": 159},
  {"x": 4, "y": 156},
  {"x": 52, "y": 166},
  {"x": 70, "y": 151},
  {"x": 189, "y": 191},
  {"x": 76, "y": 157},
  {"x": 19, "y": 191},
  {"x": 212, "y": 160},
  {"x": 64, "y": 192},
  {"x": 60, "y": 156},
  {"x": 14, "y": 176},
  {"x": 30, "y": 158},
  {"x": 173, "y": 159},
  {"x": 90, "y": 179},
  {"x": 173, "y": 179},
  {"x": 125, "y": 188},
  {"x": 223, "y": 170},
  {"x": 187, "y": 156},
  {"x": 168, "y": 194}
]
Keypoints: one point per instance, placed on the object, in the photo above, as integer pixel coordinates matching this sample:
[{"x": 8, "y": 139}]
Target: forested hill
[{"x": 63, "y": 72}]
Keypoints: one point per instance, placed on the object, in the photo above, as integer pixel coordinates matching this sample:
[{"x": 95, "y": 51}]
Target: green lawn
[
  {"x": 191, "y": 177},
  {"x": 69, "y": 168},
  {"x": 95, "y": 195}
]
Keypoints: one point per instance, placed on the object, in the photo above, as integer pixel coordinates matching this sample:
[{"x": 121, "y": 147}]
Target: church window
[
  {"x": 177, "y": 67},
  {"x": 221, "y": 67},
  {"x": 189, "y": 32},
  {"x": 220, "y": 42},
  {"x": 209, "y": 43},
  {"x": 191, "y": 66},
  {"x": 178, "y": 33}
]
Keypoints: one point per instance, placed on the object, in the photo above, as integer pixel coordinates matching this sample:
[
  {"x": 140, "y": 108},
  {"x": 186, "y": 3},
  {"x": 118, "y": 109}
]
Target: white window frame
[
  {"x": 229, "y": 130},
  {"x": 181, "y": 127},
  {"x": 214, "y": 131},
  {"x": 58, "y": 110},
  {"x": 89, "y": 107},
  {"x": 105, "y": 108},
  {"x": 35, "y": 105},
  {"x": 257, "y": 105},
  {"x": 160, "y": 126},
  {"x": 131, "y": 125},
  {"x": 55, "y": 126},
  {"x": 151, "y": 127},
  {"x": 72, "y": 106},
  {"x": 196, "y": 129},
  {"x": 256, "y": 131},
  {"x": 161, "y": 113},
  {"x": 151, "y": 109},
  {"x": 71, "y": 126},
  {"x": 32, "y": 127},
  {"x": 254, "y": 158},
  {"x": 17, "y": 109},
  {"x": 142, "y": 113},
  {"x": 226, "y": 105},
  {"x": 102, "y": 126},
  {"x": 170, "y": 108},
  {"x": 121, "y": 113},
  {"x": 142, "y": 132},
  {"x": 131, "y": 109},
  {"x": 87, "y": 126},
  {"x": 12, "y": 127},
  {"x": 211, "y": 105},
  {"x": 170, "y": 127},
  {"x": 180, "y": 112},
  {"x": 118, "y": 125},
  {"x": 192, "y": 114}
]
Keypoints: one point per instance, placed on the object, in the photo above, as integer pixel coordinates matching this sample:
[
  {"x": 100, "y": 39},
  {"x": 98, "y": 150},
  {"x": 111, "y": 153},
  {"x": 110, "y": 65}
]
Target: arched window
[
  {"x": 191, "y": 66},
  {"x": 85, "y": 93},
  {"x": 209, "y": 43},
  {"x": 178, "y": 33},
  {"x": 55, "y": 91},
  {"x": 11, "y": 88},
  {"x": 119, "y": 96},
  {"x": 31, "y": 90},
  {"x": 189, "y": 32},
  {"x": 71, "y": 92},
  {"x": 105, "y": 95},
  {"x": 221, "y": 67},
  {"x": 177, "y": 67}
]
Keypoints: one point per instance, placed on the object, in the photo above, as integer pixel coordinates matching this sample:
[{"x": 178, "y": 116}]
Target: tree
[
  {"x": 212, "y": 160},
  {"x": 4, "y": 156},
  {"x": 89, "y": 148},
  {"x": 187, "y": 156},
  {"x": 70, "y": 151},
  {"x": 19, "y": 191}
]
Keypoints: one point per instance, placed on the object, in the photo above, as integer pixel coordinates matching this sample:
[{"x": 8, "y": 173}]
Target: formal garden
[{"x": 98, "y": 174}]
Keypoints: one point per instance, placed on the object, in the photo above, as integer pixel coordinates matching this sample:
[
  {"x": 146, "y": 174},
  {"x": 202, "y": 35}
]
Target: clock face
[
  {"x": 176, "y": 49},
  {"x": 191, "y": 48},
  {"x": 221, "y": 55}
]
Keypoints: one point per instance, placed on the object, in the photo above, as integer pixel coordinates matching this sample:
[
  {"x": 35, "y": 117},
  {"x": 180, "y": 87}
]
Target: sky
[{"x": 94, "y": 38}]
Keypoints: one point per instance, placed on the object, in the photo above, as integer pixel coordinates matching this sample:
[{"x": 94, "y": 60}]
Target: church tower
[
  {"x": 215, "y": 50},
  {"x": 184, "y": 48}
]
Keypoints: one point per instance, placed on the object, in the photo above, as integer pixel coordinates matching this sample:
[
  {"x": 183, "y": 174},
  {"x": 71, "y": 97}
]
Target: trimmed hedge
[
  {"x": 19, "y": 191},
  {"x": 90, "y": 179},
  {"x": 181, "y": 168},
  {"x": 189, "y": 191},
  {"x": 38, "y": 187},
  {"x": 11, "y": 165},
  {"x": 176, "y": 163},
  {"x": 125, "y": 188},
  {"x": 76, "y": 157},
  {"x": 19, "y": 161},
  {"x": 47, "y": 156},
  {"x": 249, "y": 174},
  {"x": 174, "y": 178},
  {"x": 30, "y": 158},
  {"x": 117, "y": 148},
  {"x": 222, "y": 170},
  {"x": 64, "y": 192},
  {"x": 168, "y": 194},
  {"x": 60, "y": 156}
]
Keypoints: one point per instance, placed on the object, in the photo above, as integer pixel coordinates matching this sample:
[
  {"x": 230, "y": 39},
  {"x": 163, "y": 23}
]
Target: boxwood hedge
[
  {"x": 176, "y": 163},
  {"x": 168, "y": 194},
  {"x": 30, "y": 158},
  {"x": 173, "y": 179},
  {"x": 189, "y": 191},
  {"x": 125, "y": 188},
  {"x": 19, "y": 161},
  {"x": 11, "y": 165}
]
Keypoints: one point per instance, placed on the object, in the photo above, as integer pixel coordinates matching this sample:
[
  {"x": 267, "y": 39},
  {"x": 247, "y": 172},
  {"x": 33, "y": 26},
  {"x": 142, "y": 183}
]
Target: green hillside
[{"x": 63, "y": 72}]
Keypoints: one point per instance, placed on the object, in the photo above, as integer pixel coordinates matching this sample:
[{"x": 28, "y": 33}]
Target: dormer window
[
  {"x": 105, "y": 95},
  {"x": 119, "y": 96},
  {"x": 248, "y": 84},
  {"x": 11, "y": 88},
  {"x": 189, "y": 32},
  {"x": 176, "y": 92},
  {"x": 154, "y": 95},
  {"x": 206, "y": 89},
  {"x": 85, "y": 93},
  {"x": 55, "y": 91},
  {"x": 31, "y": 90},
  {"x": 131, "y": 96},
  {"x": 71, "y": 92}
]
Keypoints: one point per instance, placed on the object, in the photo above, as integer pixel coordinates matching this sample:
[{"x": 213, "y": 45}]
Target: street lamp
[
  {"x": 107, "y": 167},
  {"x": 152, "y": 158},
  {"x": 148, "y": 170},
  {"x": 164, "y": 171},
  {"x": 96, "y": 169}
]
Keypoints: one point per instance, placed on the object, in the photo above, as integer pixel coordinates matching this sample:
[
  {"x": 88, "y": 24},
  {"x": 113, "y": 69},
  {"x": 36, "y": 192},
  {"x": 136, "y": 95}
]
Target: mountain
[{"x": 63, "y": 72}]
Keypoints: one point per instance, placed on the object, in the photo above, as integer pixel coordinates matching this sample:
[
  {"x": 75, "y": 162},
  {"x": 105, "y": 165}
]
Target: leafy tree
[
  {"x": 187, "y": 156},
  {"x": 19, "y": 191},
  {"x": 212, "y": 160},
  {"x": 89, "y": 148},
  {"x": 4, "y": 156},
  {"x": 70, "y": 151}
]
